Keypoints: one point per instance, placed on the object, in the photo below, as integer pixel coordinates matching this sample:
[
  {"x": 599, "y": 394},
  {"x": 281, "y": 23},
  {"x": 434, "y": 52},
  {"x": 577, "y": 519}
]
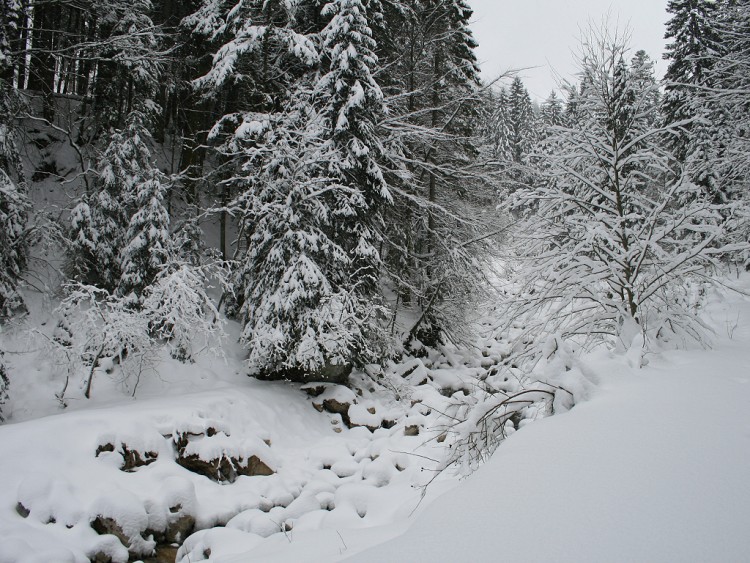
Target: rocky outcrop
[{"x": 224, "y": 468}]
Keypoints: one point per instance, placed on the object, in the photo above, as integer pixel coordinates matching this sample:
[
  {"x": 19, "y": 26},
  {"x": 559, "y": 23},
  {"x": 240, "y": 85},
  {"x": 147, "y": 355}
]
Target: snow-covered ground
[{"x": 653, "y": 467}]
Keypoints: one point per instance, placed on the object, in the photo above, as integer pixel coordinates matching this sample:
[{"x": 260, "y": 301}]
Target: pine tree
[
  {"x": 14, "y": 203},
  {"x": 146, "y": 239},
  {"x": 522, "y": 121},
  {"x": 100, "y": 221},
  {"x": 311, "y": 303},
  {"x": 552, "y": 111},
  {"x": 695, "y": 43}
]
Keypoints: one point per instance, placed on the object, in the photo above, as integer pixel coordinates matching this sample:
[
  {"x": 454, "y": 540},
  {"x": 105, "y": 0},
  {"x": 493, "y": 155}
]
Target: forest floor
[{"x": 652, "y": 467}]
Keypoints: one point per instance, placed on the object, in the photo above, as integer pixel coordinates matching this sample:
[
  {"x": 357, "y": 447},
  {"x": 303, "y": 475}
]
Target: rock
[
  {"x": 163, "y": 554},
  {"x": 108, "y": 447},
  {"x": 222, "y": 469},
  {"x": 179, "y": 528},
  {"x": 254, "y": 467},
  {"x": 100, "y": 557},
  {"x": 103, "y": 526},
  {"x": 336, "y": 399},
  {"x": 225, "y": 468},
  {"x": 335, "y": 407},
  {"x": 314, "y": 390},
  {"x": 412, "y": 430},
  {"x": 22, "y": 510},
  {"x": 132, "y": 459}
]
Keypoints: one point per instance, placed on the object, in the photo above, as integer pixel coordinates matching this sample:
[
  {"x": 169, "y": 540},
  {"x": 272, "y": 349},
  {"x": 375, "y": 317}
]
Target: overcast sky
[{"x": 544, "y": 34}]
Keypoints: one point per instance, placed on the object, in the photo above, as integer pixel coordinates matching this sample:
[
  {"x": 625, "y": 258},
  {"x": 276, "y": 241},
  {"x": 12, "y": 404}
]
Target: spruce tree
[
  {"x": 146, "y": 239},
  {"x": 100, "y": 221},
  {"x": 726, "y": 139},
  {"x": 497, "y": 128},
  {"x": 695, "y": 44},
  {"x": 311, "y": 303},
  {"x": 552, "y": 111},
  {"x": 14, "y": 203},
  {"x": 522, "y": 121}
]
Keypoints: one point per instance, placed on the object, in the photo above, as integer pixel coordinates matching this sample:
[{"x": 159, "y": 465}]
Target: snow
[
  {"x": 651, "y": 464},
  {"x": 653, "y": 468}
]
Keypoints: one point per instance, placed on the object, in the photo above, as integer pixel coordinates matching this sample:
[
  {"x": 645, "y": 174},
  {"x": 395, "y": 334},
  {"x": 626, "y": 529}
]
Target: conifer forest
[{"x": 273, "y": 270}]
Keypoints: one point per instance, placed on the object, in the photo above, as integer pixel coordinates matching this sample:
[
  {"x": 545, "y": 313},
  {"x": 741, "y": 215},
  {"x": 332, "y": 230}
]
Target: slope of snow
[
  {"x": 656, "y": 467},
  {"x": 653, "y": 467}
]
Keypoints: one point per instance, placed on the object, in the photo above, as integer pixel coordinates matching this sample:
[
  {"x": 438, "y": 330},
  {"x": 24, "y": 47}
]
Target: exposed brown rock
[
  {"x": 411, "y": 430},
  {"x": 223, "y": 469},
  {"x": 103, "y": 525},
  {"x": 132, "y": 459}
]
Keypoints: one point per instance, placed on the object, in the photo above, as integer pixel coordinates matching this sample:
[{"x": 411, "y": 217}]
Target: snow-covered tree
[
  {"x": 552, "y": 111},
  {"x": 644, "y": 79},
  {"x": 311, "y": 295},
  {"x": 97, "y": 224},
  {"x": 612, "y": 236},
  {"x": 694, "y": 44},
  {"x": 14, "y": 208},
  {"x": 496, "y": 129},
  {"x": 696, "y": 41},
  {"x": 442, "y": 191},
  {"x": 725, "y": 139},
  {"x": 14, "y": 203},
  {"x": 127, "y": 178},
  {"x": 146, "y": 239},
  {"x": 522, "y": 121},
  {"x": 350, "y": 103}
]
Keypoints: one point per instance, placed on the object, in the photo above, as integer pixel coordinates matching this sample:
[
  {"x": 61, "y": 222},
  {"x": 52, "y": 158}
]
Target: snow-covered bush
[
  {"x": 98, "y": 330},
  {"x": 507, "y": 398}
]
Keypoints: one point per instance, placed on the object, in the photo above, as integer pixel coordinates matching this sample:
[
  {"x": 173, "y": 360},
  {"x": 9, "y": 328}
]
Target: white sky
[{"x": 515, "y": 34}]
